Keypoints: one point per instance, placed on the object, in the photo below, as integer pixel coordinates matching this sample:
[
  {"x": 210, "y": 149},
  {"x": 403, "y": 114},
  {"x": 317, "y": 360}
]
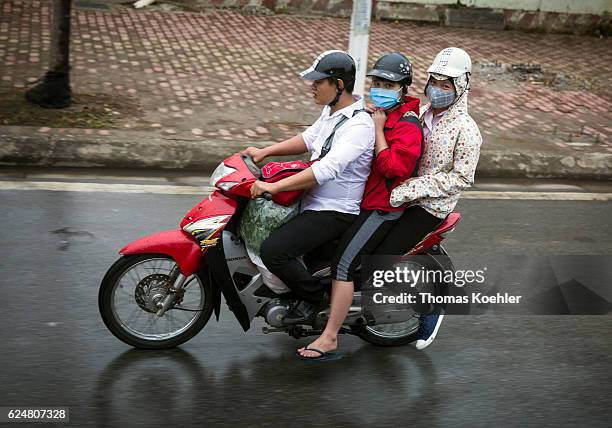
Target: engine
[{"x": 275, "y": 312}]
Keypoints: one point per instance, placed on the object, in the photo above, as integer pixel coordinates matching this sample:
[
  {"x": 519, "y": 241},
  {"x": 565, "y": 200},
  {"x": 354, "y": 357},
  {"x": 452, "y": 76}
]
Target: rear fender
[{"x": 436, "y": 236}]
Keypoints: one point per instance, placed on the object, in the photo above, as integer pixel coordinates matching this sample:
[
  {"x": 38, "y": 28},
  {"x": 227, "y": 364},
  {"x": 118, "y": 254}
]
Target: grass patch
[{"x": 96, "y": 111}]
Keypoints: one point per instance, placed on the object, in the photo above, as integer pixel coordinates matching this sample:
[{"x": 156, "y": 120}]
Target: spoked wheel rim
[
  {"x": 396, "y": 330},
  {"x": 138, "y": 289}
]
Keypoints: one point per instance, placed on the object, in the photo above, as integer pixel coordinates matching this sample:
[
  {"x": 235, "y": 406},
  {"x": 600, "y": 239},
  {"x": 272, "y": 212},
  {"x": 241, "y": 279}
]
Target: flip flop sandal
[{"x": 323, "y": 356}]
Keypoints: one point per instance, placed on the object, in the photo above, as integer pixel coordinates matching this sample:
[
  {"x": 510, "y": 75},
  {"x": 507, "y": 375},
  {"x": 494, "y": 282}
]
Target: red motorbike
[{"x": 164, "y": 288}]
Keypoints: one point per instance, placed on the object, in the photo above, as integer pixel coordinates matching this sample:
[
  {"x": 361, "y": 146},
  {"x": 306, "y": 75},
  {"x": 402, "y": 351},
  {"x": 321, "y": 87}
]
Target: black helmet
[
  {"x": 394, "y": 67},
  {"x": 334, "y": 64}
]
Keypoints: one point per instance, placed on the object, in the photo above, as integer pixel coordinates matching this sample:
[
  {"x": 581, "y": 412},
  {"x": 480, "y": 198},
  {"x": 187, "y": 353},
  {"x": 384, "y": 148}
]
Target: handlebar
[
  {"x": 251, "y": 165},
  {"x": 267, "y": 196},
  {"x": 247, "y": 157}
]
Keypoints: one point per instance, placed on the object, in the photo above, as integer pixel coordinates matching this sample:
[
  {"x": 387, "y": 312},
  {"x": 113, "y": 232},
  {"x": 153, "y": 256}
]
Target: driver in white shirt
[{"x": 334, "y": 183}]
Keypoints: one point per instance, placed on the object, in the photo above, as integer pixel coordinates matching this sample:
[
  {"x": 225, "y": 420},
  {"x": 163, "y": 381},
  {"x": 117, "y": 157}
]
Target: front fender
[{"x": 174, "y": 243}]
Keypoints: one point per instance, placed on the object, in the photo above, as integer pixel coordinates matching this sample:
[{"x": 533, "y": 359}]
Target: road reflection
[{"x": 379, "y": 386}]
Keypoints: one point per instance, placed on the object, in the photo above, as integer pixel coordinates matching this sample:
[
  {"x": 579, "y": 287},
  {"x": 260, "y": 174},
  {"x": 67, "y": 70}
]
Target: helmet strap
[{"x": 338, "y": 94}]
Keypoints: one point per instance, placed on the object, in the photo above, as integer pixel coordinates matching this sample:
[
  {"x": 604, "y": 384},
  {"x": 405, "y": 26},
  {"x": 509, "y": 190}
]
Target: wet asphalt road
[{"x": 481, "y": 371}]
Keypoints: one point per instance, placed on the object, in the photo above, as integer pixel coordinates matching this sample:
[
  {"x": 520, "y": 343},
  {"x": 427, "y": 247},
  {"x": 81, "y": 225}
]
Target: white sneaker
[{"x": 428, "y": 329}]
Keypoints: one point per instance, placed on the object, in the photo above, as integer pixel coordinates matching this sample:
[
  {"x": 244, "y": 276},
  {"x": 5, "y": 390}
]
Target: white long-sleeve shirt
[{"x": 341, "y": 175}]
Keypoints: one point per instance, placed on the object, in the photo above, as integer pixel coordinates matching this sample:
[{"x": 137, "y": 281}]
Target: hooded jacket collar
[{"x": 410, "y": 104}]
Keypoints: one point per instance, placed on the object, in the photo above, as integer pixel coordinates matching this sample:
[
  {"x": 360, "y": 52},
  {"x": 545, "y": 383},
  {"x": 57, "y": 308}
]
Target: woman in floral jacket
[{"x": 452, "y": 149}]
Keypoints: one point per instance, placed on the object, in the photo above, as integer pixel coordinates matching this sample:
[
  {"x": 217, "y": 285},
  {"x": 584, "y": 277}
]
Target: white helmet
[{"x": 451, "y": 62}]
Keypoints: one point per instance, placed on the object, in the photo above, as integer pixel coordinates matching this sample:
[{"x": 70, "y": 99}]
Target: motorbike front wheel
[{"x": 129, "y": 295}]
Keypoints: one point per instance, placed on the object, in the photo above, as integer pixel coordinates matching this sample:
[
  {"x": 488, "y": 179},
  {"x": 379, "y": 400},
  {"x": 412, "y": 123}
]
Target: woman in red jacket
[{"x": 399, "y": 140}]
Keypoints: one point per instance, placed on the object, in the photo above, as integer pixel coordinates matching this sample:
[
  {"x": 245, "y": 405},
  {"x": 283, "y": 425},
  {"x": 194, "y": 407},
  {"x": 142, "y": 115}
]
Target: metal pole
[{"x": 358, "y": 40}]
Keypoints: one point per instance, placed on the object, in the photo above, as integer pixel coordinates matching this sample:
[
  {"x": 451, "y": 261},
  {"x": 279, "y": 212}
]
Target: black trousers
[
  {"x": 297, "y": 237},
  {"x": 361, "y": 239},
  {"x": 414, "y": 224}
]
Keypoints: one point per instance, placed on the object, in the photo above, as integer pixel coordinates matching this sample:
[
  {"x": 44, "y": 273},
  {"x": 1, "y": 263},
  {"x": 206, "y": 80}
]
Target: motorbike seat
[{"x": 318, "y": 260}]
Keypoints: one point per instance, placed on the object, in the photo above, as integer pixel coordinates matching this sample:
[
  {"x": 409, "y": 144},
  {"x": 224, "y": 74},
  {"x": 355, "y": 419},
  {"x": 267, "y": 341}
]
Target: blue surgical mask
[
  {"x": 439, "y": 98},
  {"x": 385, "y": 98}
]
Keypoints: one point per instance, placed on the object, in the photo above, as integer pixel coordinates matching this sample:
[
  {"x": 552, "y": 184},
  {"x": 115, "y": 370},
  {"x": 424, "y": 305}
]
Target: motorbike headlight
[{"x": 220, "y": 172}]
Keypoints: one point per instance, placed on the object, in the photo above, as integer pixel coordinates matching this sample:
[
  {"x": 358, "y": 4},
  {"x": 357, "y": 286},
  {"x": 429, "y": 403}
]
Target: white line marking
[
  {"x": 543, "y": 196},
  {"x": 59, "y": 186}
]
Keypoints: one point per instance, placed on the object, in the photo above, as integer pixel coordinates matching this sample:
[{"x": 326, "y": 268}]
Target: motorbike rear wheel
[
  {"x": 397, "y": 334},
  {"x": 130, "y": 291},
  {"x": 406, "y": 332}
]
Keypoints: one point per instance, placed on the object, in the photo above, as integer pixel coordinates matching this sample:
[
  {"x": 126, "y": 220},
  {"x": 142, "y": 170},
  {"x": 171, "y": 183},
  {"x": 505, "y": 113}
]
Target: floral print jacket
[{"x": 448, "y": 163}]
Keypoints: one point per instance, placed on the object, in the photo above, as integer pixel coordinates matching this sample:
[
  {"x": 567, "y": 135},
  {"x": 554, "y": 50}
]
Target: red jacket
[{"x": 397, "y": 163}]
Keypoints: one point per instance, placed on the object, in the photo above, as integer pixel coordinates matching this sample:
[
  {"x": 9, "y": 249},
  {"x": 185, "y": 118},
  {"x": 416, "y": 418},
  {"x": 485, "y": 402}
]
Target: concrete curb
[
  {"x": 140, "y": 150},
  {"x": 533, "y": 164},
  {"x": 113, "y": 152}
]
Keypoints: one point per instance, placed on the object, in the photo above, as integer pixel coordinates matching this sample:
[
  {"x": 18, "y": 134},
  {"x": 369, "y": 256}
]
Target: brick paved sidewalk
[{"x": 226, "y": 76}]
